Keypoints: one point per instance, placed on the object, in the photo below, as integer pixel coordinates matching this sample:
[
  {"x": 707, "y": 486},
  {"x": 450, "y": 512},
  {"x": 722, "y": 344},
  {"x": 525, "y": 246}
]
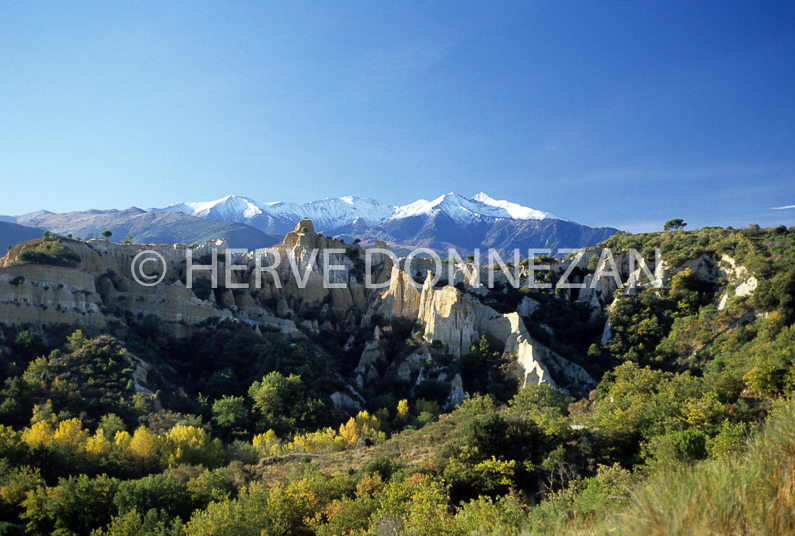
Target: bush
[{"x": 49, "y": 251}]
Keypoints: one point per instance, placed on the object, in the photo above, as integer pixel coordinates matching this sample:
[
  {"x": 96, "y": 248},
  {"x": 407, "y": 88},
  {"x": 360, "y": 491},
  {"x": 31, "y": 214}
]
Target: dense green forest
[{"x": 690, "y": 430}]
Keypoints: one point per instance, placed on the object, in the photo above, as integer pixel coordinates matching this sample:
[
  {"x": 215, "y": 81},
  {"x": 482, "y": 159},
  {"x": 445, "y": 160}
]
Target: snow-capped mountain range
[
  {"x": 450, "y": 221},
  {"x": 333, "y": 213}
]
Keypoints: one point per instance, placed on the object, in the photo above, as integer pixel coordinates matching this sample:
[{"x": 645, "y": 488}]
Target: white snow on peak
[
  {"x": 464, "y": 211},
  {"x": 233, "y": 208},
  {"x": 517, "y": 212},
  {"x": 331, "y": 213}
]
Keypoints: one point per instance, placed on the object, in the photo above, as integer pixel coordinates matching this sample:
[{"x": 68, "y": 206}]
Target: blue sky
[{"x": 606, "y": 112}]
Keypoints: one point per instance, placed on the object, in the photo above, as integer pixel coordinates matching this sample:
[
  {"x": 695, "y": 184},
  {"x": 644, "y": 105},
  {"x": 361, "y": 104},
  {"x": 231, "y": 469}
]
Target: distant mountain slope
[
  {"x": 150, "y": 227},
  {"x": 12, "y": 234},
  {"x": 440, "y": 232},
  {"x": 450, "y": 220}
]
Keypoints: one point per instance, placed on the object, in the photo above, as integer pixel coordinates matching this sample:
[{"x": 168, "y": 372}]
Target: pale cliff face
[
  {"x": 98, "y": 288},
  {"x": 101, "y": 287}
]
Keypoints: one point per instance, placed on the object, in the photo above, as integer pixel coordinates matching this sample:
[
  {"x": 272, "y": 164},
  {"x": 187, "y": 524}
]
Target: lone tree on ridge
[{"x": 676, "y": 224}]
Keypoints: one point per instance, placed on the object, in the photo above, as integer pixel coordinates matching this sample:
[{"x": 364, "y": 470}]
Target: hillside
[
  {"x": 440, "y": 232},
  {"x": 12, "y": 234},
  {"x": 414, "y": 408},
  {"x": 148, "y": 227}
]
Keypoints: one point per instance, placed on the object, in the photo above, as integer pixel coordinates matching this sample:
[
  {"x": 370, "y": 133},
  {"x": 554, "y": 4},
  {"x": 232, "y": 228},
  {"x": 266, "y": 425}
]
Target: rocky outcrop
[
  {"x": 527, "y": 306},
  {"x": 452, "y": 318},
  {"x": 533, "y": 361},
  {"x": 607, "y": 334},
  {"x": 311, "y": 284},
  {"x": 740, "y": 279},
  {"x": 448, "y": 317},
  {"x": 41, "y": 295},
  {"x": 372, "y": 354},
  {"x": 344, "y": 402},
  {"x": 601, "y": 287},
  {"x": 99, "y": 287},
  {"x": 414, "y": 363},
  {"x": 400, "y": 300},
  {"x": 457, "y": 394}
]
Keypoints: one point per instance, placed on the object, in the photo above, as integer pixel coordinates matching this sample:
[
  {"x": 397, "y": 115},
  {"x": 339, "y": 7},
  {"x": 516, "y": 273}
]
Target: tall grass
[{"x": 753, "y": 494}]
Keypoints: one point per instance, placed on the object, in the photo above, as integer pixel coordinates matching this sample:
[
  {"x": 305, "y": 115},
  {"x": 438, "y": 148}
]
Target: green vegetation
[
  {"x": 47, "y": 250},
  {"x": 691, "y": 428},
  {"x": 676, "y": 224}
]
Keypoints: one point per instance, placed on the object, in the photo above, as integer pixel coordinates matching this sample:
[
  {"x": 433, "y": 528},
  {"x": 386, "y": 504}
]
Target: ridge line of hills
[{"x": 450, "y": 221}]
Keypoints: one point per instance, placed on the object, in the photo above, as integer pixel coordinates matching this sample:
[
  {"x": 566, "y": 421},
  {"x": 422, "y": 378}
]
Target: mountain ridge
[
  {"x": 148, "y": 227},
  {"x": 331, "y": 213},
  {"x": 448, "y": 221}
]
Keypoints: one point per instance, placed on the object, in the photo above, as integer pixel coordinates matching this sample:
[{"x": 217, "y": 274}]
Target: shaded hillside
[
  {"x": 439, "y": 231},
  {"x": 12, "y": 234},
  {"x": 150, "y": 227}
]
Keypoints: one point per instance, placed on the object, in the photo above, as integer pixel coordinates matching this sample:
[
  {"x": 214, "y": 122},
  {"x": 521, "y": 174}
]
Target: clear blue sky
[{"x": 606, "y": 112}]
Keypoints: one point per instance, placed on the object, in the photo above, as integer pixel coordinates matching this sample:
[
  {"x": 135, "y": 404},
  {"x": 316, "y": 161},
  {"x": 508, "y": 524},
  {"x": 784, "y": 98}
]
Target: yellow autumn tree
[
  {"x": 191, "y": 445},
  {"x": 403, "y": 410},
  {"x": 70, "y": 437},
  {"x": 98, "y": 446},
  {"x": 143, "y": 448},
  {"x": 267, "y": 444},
  {"x": 325, "y": 440},
  {"x": 44, "y": 412},
  {"x": 122, "y": 440},
  {"x": 38, "y": 436},
  {"x": 363, "y": 426},
  {"x": 10, "y": 441}
]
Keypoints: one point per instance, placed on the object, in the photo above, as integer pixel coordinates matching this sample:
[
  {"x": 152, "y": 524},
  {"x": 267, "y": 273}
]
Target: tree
[
  {"x": 230, "y": 413},
  {"x": 676, "y": 224},
  {"x": 106, "y": 235},
  {"x": 28, "y": 346},
  {"x": 77, "y": 341},
  {"x": 144, "y": 450},
  {"x": 283, "y": 404},
  {"x": 403, "y": 411},
  {"x": 75, "y": 506},
  {"x": 544, "y": 405},
  {"x": 191, "y": 445},
  {"x": 110, "y": 424},
  {"x": 362, "y": 426}
]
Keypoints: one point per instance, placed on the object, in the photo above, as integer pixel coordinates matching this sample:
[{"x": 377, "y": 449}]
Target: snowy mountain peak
[
  {"x": 517, "y": 212},
  {"x": 332, "y": 213},
  {"x": 464, "y": 211},
  {"x": 233, "y": 208}
]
